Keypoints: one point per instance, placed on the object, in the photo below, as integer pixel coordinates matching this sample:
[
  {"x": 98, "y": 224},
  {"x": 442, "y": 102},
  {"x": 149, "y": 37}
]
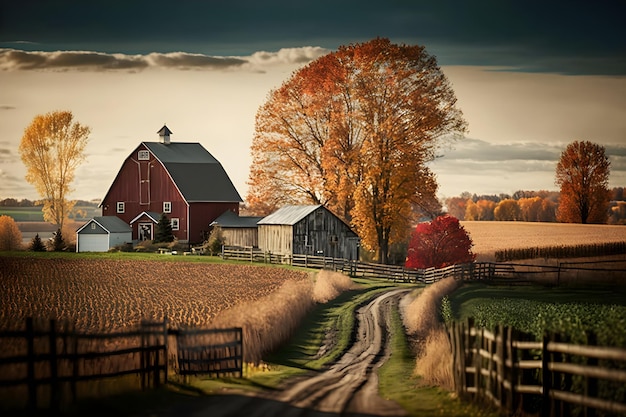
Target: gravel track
[{"x": 349, "y": 387}]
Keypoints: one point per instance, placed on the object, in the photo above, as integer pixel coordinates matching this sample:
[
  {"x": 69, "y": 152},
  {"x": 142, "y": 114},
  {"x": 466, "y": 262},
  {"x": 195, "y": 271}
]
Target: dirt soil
[{"x": 349, "y": 387}]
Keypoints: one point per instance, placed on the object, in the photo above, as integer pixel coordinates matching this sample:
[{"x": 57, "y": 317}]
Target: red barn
[{"x": 182, "y": 180}]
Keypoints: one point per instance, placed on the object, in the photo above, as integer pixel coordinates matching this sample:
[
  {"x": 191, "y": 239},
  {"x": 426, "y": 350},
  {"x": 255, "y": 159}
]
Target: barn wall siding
[
  {"x": 320, "y": 233},
  {"x": 241, "y": 236},
  {"x": 276, "y": 239}
]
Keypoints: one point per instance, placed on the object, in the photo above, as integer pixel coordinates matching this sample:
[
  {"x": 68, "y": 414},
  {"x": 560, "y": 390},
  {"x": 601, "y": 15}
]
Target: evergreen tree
[
  {"x": 163, "y": 230},
  {"x": 58, "y": 243},
  {"x": 36, "y": 245}
]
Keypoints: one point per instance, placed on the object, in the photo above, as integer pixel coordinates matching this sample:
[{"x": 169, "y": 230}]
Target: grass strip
[{"x": 397, "y": 382}]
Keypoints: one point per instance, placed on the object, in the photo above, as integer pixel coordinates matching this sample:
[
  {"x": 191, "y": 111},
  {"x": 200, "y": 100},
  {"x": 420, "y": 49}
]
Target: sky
[{"x": 530, "y": 77}]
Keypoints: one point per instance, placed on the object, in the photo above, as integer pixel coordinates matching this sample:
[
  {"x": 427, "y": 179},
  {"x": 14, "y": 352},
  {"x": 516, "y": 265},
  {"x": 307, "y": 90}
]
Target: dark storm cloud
[
  {"x": 569, "y": 37},
  {"x": 11, "y": 59}
]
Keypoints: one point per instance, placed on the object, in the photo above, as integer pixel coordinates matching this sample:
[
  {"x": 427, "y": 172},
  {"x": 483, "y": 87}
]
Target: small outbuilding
[
  {"x": 102, "y": 233},
  {"x": 307, "y": 230},
  {"x": 238, "y": 230}
]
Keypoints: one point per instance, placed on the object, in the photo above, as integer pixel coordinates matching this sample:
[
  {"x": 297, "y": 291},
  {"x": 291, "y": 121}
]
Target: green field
[
  {"x": 34, "y": 214},
  {"x": 23, "y": 214},
  {"x": 573, "y": 311}
]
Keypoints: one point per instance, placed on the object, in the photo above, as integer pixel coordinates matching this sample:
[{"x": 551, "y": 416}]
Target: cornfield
[{"x": 491, "y": 237}]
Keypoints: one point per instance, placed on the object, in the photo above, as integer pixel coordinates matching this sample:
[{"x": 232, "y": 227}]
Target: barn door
[
  {"x": 144, "y": 231},
  {"x": 144, "y": 182}
]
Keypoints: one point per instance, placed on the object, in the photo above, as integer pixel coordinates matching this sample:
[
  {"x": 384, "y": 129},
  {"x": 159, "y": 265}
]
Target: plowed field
[{"x": 111, "y": 294}]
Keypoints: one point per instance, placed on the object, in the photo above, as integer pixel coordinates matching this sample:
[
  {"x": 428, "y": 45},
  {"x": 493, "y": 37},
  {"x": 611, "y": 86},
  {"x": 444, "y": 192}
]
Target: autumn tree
[
  {"x": 439, "y": 243},
  {"x": 10, "y": 235},
  {"x": 507, "y": 210},
  {"x": 472, "y": 212},
  {"x": 486, "y": 209},
  {"x": 52, "y": 147},
  {"x": 583, "y": 177},
  {"x": 353, "y": 130}
]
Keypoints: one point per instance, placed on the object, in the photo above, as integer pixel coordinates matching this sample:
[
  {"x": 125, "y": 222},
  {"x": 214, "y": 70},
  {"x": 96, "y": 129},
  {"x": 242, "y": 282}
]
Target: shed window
[
  {"x": 174, "y": 222},
  {"x": 93, "y": 226},
  {"x": 167, "y": 207},
  {"x": 143, "y": 155},
  {"x": 120, "y": 206}
]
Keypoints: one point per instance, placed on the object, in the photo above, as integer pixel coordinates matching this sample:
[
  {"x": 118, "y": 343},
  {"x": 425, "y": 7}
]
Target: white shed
[{"x": 102, "y": 233}]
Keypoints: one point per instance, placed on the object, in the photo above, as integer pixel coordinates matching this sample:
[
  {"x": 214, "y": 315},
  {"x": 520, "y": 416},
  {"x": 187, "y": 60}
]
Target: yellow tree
[
  {"x": 583, "y": 176},
  {"x": 354, "y": 130},
  {"x": 51, "y": 149}
]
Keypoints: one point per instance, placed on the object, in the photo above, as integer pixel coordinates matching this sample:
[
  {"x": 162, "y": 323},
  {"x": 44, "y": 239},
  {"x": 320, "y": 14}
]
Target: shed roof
[
  {"x": 232, "y": 220},
  {"x": 111, "y": 224},
  {"x": 289, "y": 215},
  {"x": 197, "y": 174}
]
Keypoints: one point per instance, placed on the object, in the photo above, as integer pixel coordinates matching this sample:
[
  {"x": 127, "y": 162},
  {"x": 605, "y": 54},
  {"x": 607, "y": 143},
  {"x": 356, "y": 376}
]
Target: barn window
[
  {"x": 143, "y": 155},
  {"x": 167, "y": 207},
  {"x": 174, "y": 222},
  {"x": 120, "y": 207}
]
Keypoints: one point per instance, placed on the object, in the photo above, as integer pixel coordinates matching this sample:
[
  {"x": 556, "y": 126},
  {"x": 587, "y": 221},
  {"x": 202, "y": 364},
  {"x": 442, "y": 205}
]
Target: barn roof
[
  {"x": 197, "y": 174},
  {"x": 153, "y": 215},
  {"x": 111, "y": 224},
  {"x": 232, "y": 220},
  {"x": 289, "y": 215}
]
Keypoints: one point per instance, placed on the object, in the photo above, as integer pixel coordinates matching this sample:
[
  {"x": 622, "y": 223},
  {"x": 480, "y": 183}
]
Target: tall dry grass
[
  {"x": 329, "y": 284},
  {"x": 422, "y": 321},
  {"x": 270, "y": 321}
]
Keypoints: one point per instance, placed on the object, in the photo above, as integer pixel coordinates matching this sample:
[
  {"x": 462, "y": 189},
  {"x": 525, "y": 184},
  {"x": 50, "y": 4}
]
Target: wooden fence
[
  {"x": 52, "y": 360},
  {"x": 214, "y": 352},
  {"x": 494, "y": 272},
  {"x": 549, "y": 378}
]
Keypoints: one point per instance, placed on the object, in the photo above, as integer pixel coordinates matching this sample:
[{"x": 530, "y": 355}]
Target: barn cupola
[{"x": 164, "y": 135}]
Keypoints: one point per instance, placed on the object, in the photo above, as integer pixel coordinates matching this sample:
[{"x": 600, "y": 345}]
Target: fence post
[
  {"x": 30, "y": 377},
  {"x": 166, "y": 345},
  {"x": 54, "y": 378},
  {"x": 546, "y": 377},
  {"x": 591, "y": 383}
]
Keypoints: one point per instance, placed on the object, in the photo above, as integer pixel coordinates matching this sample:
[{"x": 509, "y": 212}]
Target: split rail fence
[
  {"x": 548, "y": 377},
  {"x": 495, "y": 272},
  {"x": 46, "y": 365}
]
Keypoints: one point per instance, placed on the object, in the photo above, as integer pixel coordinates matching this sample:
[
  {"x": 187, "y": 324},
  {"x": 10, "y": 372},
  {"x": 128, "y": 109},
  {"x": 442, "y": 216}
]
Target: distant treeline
[
  {"x": 13, "y": 202},
  {"x": 529, "y": 206}
]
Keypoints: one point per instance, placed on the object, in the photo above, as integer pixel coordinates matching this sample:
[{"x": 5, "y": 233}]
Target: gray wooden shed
[
  {"x": 102, "y": 233},
  {"x": 307, "y": 230}
]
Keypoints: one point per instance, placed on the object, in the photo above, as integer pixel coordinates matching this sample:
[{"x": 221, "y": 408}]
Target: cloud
[
  {"x": 5, "y": 107},
  {"x": 482, "y": 151},
  {"x": 13, "y": 60}
]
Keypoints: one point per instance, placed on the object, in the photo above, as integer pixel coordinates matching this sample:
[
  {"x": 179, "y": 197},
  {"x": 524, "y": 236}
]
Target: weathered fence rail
[
  {"x": 495, "y": 272},
  {"x": 50, "y": 361},
  {"x": 547, "y": 377},
  {"x": 214, "y": 352}
]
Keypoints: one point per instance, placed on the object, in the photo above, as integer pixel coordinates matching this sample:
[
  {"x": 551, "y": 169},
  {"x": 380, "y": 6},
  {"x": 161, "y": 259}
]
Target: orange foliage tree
[
  {"x": 10, "y": 235},
  {"x": 583, "y": 177},
  {"x": 353, "y": 130}
]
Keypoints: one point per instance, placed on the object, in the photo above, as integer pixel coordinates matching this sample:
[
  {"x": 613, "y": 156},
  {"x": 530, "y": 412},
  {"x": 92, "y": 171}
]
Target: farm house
[
  {"x": 182, "y": 180},
  {"x": 307, "y": 230},
  {"x": 238, "y": 231},
  {"x": 102, "y": 233}
]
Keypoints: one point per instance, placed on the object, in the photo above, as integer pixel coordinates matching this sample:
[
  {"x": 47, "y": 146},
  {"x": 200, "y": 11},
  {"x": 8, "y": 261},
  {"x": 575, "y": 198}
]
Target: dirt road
[{"x": 347, "y": 388}]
